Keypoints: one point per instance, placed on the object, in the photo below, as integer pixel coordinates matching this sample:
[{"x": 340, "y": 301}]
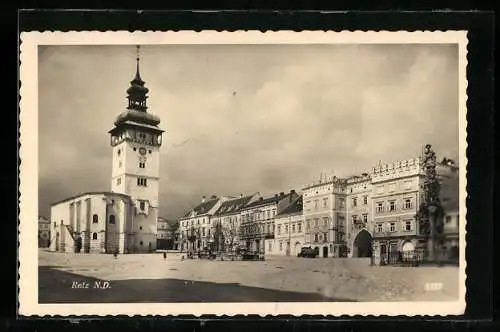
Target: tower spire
[
  {"x": 138, "y": 60},
  {"x": 137, "y": 91}
]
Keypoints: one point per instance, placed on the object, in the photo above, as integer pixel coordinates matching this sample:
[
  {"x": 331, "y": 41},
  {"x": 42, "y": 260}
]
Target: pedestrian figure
[
  {"x": 115, "y": 256},
  {"x": 165, "y": 256}
]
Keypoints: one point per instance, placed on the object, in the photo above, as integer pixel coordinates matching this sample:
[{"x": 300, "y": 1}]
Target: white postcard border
[{"x": 28, "y": 184}]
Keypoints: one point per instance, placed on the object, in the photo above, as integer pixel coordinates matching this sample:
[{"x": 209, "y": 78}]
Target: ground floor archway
[
  {"x": 408, "y": 246},
  {"x": 325, "y": 252},
  {"x": 362, "y": 245}
]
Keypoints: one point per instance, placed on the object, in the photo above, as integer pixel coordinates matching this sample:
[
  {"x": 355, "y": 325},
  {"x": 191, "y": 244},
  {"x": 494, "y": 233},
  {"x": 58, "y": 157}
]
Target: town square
[{"x": 151, "y": 278}]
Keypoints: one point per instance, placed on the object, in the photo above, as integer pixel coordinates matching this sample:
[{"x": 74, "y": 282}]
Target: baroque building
[
  {"x": 226, "y": 223},
  {"x": 257, "y": 231},
  {"x": 359, "y": 215},
  {"x": 325, "y": 217},
  {"x": 123, "y": 220},
  {"x": 195, "y": 226},
  {"x": 289, "y": 235},
  {"x": 396, "y": 196}
]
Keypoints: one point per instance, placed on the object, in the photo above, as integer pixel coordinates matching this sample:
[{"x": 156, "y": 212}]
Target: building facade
[
  {"x": 225, "y": 232},
  {"x": 94, "y": 222},
  {"x": 359, "y": 216},
  {"x": 195, "y": 226},
  {"x": 43, "y": 232},
  {"x": 167, "y": 236},
  {"x": 396, "y": 197},
  {"x": 289, "y": 235},
  {"x": 124, "y": 219},
  {"x": 325, "y": 217},
  {"x": 257, "y": 231}
]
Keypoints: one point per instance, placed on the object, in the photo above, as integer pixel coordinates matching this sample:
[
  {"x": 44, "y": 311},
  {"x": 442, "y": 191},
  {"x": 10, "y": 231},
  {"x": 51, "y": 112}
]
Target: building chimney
[
  {"x": 203, "y": 199},
  {"x": 282, "y": 194},
  {"x": 241, "y": 195},
  {"x": 214, "y": 196},
  {"x": 290, "y": 198}
]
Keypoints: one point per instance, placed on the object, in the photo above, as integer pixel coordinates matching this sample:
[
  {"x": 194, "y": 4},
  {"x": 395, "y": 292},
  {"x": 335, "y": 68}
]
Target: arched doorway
[
  {"x": 325, "y": 252},
  {"x": 408, "y": 251},
  {"x": 362, "y": 245}
]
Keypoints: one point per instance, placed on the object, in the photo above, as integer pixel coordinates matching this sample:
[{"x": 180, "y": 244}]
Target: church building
[{"x": 123, "y": 220}]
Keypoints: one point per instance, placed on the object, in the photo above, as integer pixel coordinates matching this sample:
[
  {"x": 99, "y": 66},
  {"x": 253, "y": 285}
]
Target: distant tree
[
  {"x": 173, "y": 228},
  {"x": 230, "y": 232},
  {"x": 219, "y": 238},
  {"x": 192, "y": 236}
]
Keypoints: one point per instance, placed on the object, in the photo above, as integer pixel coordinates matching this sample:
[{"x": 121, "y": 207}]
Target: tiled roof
[
  {"x": 265, "y": 201},
  {"x": 233, "y": 205},
  {"x": 295, "y": 207},
  {"x": 201, "y": 208}
]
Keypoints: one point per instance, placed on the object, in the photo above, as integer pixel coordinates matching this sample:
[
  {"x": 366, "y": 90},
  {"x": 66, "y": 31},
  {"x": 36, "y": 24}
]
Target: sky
[{"x": 244, "y": 118}]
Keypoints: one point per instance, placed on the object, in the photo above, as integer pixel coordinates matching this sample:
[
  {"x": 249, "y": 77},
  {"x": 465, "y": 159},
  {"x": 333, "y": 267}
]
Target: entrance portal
[
  {"x": 362, "y": 245},
  {"x": 325, "y": 252}
]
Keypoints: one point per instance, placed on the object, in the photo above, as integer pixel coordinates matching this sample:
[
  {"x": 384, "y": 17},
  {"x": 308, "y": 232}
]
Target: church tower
[{"x": 136, "y": 140}]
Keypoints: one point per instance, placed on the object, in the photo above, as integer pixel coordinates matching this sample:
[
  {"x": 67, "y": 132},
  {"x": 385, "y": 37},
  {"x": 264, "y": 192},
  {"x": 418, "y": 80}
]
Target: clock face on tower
[{"x": 142, "y": 151}]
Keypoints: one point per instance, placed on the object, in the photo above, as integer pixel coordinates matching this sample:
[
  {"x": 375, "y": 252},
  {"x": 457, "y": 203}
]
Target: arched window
[
  {"x": 95, "y": 219},
  {"x": 111, "y": 218},
  {"x": 94, "y": 236}
]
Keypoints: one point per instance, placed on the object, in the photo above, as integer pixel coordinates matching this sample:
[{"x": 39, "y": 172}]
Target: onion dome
[{"x": 137, "y": 116}]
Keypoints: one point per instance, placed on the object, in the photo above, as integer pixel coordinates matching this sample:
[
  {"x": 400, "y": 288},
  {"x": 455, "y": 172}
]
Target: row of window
[
  {"x": 355, "y": 201},
  {"x": 142, "y": 182},
  {"x": 392, "y": 205},
  {"x": 142, "y": 164},
  {"x": 259, "y": 215},
  {"x": 186, "y": 223},
  {"x": 325, "y": 201},
  {"x": 407, "y": 226},
  {"x": 325, "y": 222},
  {"x": 295, "y": 228},
  {"x": 364, "y": 218}
]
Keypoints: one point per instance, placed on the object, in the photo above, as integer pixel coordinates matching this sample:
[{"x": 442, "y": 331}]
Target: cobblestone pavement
[{"x": 148, "y": 277}]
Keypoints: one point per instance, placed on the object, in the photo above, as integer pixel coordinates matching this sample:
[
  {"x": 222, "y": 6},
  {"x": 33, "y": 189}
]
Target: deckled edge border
[{"x": 463, "y": 98}]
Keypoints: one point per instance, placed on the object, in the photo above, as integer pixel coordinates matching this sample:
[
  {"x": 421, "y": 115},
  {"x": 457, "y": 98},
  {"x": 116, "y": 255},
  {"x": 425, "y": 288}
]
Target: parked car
[
  {"x": 308, "y": 252},
  {"x": 206, "y": 254}
]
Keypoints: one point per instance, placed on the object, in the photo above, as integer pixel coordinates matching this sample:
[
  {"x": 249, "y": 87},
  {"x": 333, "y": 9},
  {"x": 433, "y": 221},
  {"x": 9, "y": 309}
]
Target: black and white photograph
[{"x": 243, "y": 172}]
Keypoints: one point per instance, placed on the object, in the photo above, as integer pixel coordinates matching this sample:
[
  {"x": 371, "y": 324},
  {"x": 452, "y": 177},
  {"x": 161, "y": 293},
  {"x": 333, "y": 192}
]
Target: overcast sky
[{"x": 244, "y": 118}]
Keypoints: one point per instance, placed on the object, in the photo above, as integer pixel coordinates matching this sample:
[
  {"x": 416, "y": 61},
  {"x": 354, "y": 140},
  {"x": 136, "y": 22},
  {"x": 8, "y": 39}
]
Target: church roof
[{"x": 92, "y": 193}]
